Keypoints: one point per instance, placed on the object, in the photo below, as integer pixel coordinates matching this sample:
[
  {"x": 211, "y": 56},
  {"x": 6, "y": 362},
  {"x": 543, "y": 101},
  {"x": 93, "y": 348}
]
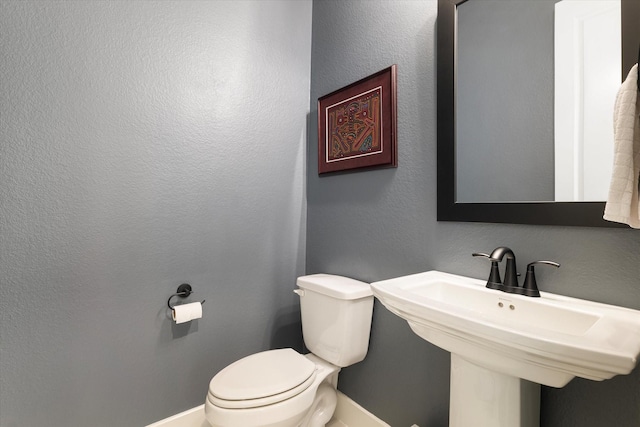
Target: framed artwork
[{"x": 357, "y": 125}]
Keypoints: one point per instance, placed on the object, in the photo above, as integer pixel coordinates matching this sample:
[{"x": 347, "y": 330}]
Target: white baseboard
[
  {"x": 348, "y": 413},
  {"x": 193, "y": 417},
  {"x": 354, "y": 415}
]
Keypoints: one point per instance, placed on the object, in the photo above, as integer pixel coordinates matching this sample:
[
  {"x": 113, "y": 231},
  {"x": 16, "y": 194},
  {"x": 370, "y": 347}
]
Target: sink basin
[{"x": 547, "y": 340}]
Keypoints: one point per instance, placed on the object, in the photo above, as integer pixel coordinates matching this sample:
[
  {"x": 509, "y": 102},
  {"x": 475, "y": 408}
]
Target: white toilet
[{"x": 282, "y": 388}]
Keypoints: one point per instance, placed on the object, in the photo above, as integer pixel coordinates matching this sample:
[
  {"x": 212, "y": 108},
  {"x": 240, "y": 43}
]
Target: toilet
[{"x": 283, "y": 388}]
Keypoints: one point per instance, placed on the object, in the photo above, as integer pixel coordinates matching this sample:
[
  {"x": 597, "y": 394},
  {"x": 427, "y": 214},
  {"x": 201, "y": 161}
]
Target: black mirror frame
[{"x": 586, "y": 214}]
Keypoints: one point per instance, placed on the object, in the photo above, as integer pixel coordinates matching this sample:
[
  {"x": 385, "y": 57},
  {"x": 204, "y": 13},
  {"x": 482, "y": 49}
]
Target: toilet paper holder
[{"x": 183, "y": 291}]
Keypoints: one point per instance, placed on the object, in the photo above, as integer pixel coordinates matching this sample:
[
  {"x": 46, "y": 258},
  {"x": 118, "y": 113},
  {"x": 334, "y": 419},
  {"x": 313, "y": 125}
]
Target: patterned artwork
[
  {"x": 354, "y": 126},
  {"x": 357, "y": 125}
]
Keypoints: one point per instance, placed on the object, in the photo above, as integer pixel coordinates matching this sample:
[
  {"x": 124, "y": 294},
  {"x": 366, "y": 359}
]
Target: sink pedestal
[{"x": 484, "y": 398}]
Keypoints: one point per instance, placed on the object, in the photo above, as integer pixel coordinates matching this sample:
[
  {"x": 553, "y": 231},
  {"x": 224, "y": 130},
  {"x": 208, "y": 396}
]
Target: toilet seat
[{"x": 262, "y": 379}]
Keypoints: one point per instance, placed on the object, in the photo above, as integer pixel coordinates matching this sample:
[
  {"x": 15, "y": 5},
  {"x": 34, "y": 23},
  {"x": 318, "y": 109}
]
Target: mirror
[
  {"x": 464, "y": 93},
  {"x": 517, "y": 80}
]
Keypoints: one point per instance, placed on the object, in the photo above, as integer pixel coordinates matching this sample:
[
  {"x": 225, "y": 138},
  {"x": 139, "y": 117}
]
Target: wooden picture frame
[{"x": 357, "y": 124}]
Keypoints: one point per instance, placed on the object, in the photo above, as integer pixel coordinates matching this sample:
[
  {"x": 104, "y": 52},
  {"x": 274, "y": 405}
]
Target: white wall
[{"x": 144, "y": 144}]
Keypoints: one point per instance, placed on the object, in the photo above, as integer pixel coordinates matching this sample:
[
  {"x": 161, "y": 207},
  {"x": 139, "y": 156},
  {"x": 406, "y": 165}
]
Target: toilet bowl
[
  {"x": 283, "y": 388},
  {"x": 285, "y": 405}
]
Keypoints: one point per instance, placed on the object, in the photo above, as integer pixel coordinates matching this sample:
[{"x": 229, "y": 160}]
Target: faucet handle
[
  {"x": 552, "y": 263},
  {"x": 494, "y": 281},
  {"x": 530, "y": 286},
  {"x": 481, "y": 254}
]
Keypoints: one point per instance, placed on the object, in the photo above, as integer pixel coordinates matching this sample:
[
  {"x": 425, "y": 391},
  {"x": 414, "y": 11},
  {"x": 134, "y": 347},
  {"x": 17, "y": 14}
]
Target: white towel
[{"x": 624, "y": 190}]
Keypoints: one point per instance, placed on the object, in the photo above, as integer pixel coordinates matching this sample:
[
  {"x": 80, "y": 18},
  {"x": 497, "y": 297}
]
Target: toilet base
[{"x": 323, "y": 407}]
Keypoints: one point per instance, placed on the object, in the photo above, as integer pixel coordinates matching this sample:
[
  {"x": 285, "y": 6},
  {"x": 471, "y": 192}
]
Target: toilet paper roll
[{"x": 186, "y": 312}]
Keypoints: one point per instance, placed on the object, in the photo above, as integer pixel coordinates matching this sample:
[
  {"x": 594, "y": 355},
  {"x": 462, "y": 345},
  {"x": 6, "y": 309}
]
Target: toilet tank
[{"x": 336, "y": 317}]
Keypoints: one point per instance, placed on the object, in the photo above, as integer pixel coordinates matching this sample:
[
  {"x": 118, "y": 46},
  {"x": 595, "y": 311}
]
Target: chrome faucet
[{"x": 511, "y": 272}]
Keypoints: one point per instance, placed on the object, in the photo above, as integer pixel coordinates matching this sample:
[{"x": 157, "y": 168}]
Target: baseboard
[
  {"x": 354, "y": 415},
  {"x": 347, "y": 412},
  {"x": 193, "y": 417}
]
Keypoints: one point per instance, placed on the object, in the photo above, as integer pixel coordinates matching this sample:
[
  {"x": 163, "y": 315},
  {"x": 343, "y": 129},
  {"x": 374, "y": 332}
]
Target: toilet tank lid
[{"x": 335, "y": 286}]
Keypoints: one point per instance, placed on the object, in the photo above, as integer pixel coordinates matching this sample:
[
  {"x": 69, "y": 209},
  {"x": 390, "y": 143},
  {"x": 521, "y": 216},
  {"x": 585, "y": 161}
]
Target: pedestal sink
[{"x": 503, "y": 346}]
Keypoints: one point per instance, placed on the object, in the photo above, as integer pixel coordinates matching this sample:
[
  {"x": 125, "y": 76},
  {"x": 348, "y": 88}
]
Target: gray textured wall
[
  {"x": 143, "y": 145},
  {"x": 380, "y": 224}
]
